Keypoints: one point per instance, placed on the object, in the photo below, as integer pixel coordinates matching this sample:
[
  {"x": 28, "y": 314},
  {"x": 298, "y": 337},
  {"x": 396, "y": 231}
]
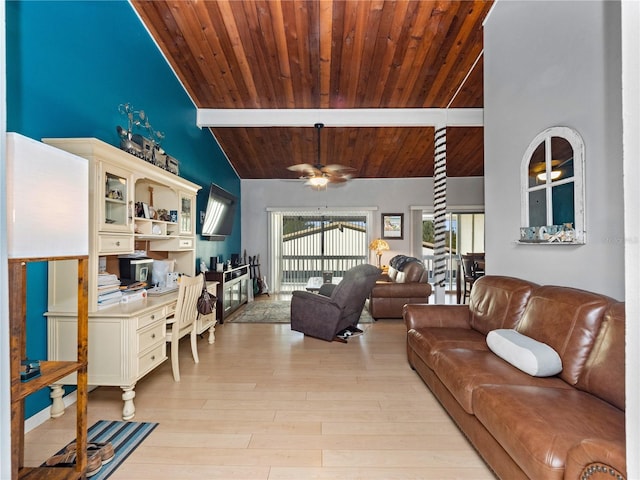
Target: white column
[{"x": 440, "y": 211}]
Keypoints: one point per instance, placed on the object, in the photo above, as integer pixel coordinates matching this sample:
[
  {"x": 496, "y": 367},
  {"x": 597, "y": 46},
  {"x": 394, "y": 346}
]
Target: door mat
[{"x": 124, "y": 436}]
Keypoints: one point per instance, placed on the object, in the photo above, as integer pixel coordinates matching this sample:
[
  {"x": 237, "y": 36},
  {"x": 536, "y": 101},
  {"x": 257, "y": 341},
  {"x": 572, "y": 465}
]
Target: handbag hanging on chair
[{"x": 206, "y": 301}]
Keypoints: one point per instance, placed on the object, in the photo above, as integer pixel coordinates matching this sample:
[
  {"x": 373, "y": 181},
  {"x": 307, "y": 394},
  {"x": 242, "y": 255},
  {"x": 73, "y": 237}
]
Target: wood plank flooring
[{"x": 268, "y": 403}]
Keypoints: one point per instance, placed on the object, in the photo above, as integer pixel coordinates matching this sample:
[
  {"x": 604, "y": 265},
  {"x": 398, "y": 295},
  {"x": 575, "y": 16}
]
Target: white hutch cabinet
[{"x": 126, "y": 340}]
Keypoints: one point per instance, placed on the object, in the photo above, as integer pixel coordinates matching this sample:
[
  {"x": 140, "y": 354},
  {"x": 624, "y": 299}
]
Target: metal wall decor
[{"x": 148, "y": 149}]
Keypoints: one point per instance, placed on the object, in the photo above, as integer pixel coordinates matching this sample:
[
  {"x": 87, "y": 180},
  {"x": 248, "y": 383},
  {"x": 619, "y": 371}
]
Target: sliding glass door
[
  {"x": 306, "y": 244},
  {"x": 464, "y": 234}
]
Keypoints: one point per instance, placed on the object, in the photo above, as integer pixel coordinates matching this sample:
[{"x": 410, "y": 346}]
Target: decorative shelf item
[
  {"x": 549, "y": 234},
  {"x": 148, "y": 149}
]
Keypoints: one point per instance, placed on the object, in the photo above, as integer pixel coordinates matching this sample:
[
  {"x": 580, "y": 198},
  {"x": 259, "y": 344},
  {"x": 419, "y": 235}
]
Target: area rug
[
  {"x": 273, "y": 311},
  {"x": 125, "y": 438}
]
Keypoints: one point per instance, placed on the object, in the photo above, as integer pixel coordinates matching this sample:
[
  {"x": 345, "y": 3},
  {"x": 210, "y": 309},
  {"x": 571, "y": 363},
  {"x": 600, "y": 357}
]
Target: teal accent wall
[{"x": 69, "y": 65}]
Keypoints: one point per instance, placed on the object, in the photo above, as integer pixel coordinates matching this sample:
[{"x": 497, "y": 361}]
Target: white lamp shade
[{"x": 47, "y": 200}]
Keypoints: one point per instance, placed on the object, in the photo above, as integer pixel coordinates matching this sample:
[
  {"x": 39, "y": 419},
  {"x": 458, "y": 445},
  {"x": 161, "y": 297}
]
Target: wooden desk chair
[
  {"x": 183, "y": 321},
  {"x": 470, "y": 272}
]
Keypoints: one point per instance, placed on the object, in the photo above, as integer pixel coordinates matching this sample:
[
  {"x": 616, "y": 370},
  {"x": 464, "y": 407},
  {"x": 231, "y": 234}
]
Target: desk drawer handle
[
  {"x": 153, "y": 357},
  {"x": 118, "y": 243},
  {"x": 153, "y": 317},
  {"x": 153, "y": 335}
]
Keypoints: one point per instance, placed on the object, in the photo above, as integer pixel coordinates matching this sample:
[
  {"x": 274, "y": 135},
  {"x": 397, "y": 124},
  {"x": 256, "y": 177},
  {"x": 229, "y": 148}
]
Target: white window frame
[{"x": 577, "y": 144}]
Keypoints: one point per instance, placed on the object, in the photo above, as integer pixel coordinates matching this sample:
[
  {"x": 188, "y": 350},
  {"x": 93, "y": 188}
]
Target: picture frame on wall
[{"x": 393, "y": 226}]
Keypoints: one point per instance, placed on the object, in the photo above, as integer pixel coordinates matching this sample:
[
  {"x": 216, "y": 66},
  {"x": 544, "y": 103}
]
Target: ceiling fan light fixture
[
  {"x": 318, "y": 176},
  {"x": 318, "y": 182},
  {"x": 555, "y": 174}
]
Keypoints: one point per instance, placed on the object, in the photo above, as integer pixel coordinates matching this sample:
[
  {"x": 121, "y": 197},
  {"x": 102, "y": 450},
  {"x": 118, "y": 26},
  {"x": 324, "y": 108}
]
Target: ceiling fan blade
[
  {"x": 306, "y": 170},
  {"x": 336, "y": 179},
  {"x": 301, "y": 167},
  {"x": 336, "y": 168}
]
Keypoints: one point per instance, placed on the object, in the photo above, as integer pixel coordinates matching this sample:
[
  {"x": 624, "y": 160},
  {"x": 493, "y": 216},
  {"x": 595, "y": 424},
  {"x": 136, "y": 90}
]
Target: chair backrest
[
  {"x": 351, "y": 293},
  {"x": 468, "y": 262},
  {"x": 187, "y": 308}
]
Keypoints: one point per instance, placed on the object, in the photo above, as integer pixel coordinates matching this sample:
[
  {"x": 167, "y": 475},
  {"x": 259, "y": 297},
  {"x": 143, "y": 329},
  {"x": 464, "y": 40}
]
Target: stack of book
[
  {"x": 108, "y": 290},
  {"x": 133, "y": 292}
]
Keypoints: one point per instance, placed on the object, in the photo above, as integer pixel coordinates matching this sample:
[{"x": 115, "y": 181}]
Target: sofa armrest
[
  {"x": 597, "y": 459},
  {"x": 401, "y": 290},
  {"x": 419, "y": 315}
]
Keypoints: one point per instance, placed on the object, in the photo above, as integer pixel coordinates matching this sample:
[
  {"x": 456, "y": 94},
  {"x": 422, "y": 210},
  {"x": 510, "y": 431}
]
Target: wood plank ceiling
[{"x": 304, "y": 54}]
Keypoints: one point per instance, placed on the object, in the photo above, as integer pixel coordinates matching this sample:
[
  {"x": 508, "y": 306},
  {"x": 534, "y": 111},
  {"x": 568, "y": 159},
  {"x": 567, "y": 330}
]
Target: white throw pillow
[
  {"x": 535, "y": 358},
  {"x": 392, "y": 273}
]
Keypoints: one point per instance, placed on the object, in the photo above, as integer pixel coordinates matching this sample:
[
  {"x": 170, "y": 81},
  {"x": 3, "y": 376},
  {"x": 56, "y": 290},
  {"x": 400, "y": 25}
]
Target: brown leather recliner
[{"x": 406, "y": 282}]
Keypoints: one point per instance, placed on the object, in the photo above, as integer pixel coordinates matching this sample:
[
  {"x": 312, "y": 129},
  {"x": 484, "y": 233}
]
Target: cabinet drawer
[
  {"x": 151, "y": 359},
  {"x": 171, "y": 309},
  {"x": 185, "y": 243},
  {"x": 153, "y": 316},
  {"x": 151, "y": 336},
  {"x": 115, "y": 243},
  {"x": 171, "y": 244}
]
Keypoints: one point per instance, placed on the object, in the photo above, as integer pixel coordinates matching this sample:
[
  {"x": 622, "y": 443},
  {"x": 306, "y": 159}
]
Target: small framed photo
[
  {"x": 145, "y": 209},
  {"x": 393, "y": 225}
]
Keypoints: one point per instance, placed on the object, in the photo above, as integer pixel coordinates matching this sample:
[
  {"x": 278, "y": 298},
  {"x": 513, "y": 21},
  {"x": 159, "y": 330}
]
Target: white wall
[
  {"x": 555, "y": 64},
  {"x": 5, "y": 382},
  {"x": 631, "y": 120},
  {"x": 385, "y": 195}
]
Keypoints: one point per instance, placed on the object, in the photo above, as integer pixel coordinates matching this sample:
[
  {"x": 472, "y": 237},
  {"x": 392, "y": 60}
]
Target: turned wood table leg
[
  {"x": 57, "y": 404},
  {"x": 129, "y": 409},
  {"x": 212, "y": 334}
]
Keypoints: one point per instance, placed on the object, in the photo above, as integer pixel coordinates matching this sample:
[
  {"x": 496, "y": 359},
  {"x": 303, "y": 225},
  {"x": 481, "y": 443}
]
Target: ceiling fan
[{"x": 318, "y": 175}]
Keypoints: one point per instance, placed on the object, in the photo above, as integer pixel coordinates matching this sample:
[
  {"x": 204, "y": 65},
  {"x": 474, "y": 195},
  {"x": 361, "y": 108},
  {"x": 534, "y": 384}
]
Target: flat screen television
[{"x": 220, "y": 213}]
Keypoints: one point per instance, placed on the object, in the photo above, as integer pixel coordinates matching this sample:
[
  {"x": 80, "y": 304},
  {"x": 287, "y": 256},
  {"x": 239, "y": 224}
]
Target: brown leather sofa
[
  {"x": 405, "y": 282},
  {"x": 567, "y": 426}
]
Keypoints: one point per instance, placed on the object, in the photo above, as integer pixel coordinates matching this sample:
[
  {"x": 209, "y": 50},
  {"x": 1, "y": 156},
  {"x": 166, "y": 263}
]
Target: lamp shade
[
  {"x": 379, "y": 245},
  {"x": 47, "y": 200}
]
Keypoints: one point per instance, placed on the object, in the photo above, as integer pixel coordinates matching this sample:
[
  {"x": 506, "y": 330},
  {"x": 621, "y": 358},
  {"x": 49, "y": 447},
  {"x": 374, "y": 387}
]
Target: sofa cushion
[
  {"x": 462, "y": 371},
  {"x": 498, "y": 302},
  {"x": 427, "y": 342},
  {"x": 566, "y": 319},
  {"x": 529, "y": 355},
  {"x": 604, "y": 372},
  {"x": 537, "y": 426}
]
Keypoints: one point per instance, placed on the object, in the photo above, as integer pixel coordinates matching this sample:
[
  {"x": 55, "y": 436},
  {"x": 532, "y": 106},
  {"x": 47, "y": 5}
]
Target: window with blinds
[{"x": 308, "y": 245}]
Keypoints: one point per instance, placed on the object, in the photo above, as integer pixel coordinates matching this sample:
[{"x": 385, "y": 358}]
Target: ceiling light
[
  {"x": 555, "y": 174},
  {"x": 318, "y": 182}
]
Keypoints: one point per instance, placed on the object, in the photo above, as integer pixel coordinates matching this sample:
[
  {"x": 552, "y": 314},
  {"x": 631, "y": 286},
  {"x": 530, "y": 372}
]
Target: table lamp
[{"x": 379, "y": 245}]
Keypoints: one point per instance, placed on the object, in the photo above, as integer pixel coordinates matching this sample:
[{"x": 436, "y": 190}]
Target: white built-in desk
[{"x": 126, "y": 342}]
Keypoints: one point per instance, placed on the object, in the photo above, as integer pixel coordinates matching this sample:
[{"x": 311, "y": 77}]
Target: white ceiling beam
[{"x": 335, "y": 117}]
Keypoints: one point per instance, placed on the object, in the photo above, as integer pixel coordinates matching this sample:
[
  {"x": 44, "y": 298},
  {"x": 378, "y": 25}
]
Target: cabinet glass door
[
  {"x": 116, "y": 208},
  {"x": 186, "y": 215}
]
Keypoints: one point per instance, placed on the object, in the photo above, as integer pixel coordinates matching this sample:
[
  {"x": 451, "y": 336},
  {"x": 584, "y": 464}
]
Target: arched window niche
[{"x": 552, "y": 179}]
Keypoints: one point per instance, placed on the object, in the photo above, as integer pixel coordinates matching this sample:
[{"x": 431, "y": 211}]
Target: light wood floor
[{"x": 268, "y": 403}]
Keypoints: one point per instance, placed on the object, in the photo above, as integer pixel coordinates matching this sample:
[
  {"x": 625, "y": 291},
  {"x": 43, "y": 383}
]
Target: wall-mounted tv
[{"x": 221, "y": 211}]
